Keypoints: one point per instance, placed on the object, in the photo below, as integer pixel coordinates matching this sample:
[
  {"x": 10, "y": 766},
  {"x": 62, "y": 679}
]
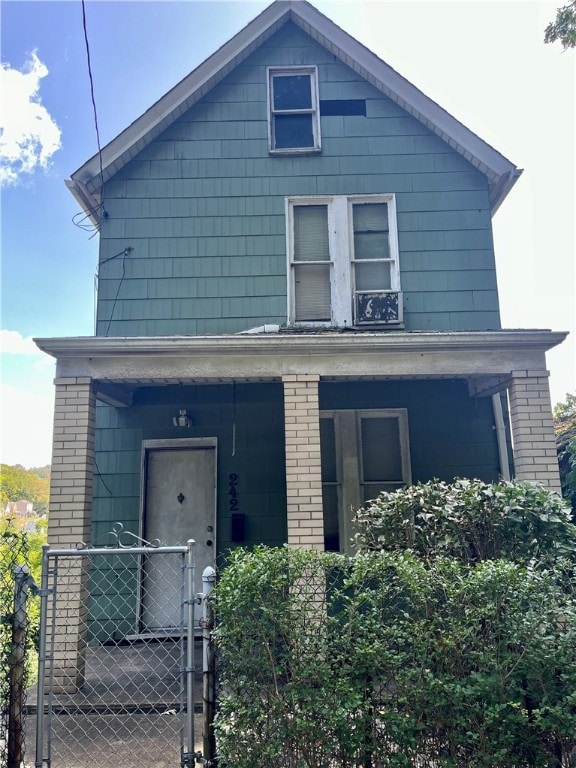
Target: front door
[{"x": 179, "y": 504}]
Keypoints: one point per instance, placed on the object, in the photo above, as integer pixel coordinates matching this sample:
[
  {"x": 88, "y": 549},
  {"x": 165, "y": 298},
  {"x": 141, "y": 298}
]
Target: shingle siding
[{"x": 203, "y": 209}]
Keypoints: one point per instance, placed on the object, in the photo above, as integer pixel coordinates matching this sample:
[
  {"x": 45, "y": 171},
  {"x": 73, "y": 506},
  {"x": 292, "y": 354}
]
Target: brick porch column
[
  {"x": 303, "y": 472},
  {"x": 535, "y": 458},
  {"x": 69, "y": 522}
]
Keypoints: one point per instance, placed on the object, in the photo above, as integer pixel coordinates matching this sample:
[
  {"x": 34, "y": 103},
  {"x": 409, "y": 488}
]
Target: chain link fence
[
  {"x": 117, "y": 659},
  {"x": 18, "y": 643}
]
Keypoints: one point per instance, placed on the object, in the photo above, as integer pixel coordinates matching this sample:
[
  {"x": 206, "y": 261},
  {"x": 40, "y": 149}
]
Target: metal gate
[{"x": 112, "y": 691}]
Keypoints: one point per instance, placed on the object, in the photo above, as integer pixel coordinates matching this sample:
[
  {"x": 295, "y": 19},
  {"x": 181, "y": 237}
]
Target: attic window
[{"x": 293, "y": 116}]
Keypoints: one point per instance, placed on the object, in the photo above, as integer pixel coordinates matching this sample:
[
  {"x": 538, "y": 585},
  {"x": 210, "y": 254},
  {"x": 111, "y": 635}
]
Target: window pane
[
  {"x": 370, "y": 221},
  {"x": 371, "y": 245},
  {"x": 293, "y": 131},
  {"x": 371, "y": 490},
  {"x": 292, "y": 92},
  {"x": 370, "y": 217},
  {"x": 381, "y": 453},
  {"x": 328, "y": 450},
  {"x": 312, "y": 291},
  {"x": 311, "y": 233},
  {"x": 330, "y": 508},
  {"x": 372, "y": 276}
]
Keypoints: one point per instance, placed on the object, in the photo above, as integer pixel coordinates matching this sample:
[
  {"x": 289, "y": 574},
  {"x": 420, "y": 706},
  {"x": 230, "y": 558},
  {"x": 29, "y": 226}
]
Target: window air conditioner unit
[{"x": 379, "y": 308}]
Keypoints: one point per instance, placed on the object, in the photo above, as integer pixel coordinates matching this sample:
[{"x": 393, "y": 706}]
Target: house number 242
[{"x": 233, "y": 491}]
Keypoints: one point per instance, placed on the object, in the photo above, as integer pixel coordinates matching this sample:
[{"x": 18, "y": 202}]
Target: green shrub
[
  {"x": 391, "y": 660},
  {"x": 469, "y": 520}
]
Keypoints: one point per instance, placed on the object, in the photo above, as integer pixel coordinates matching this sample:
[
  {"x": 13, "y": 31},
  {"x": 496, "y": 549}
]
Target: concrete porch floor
[{"x": 126, "y": 713}]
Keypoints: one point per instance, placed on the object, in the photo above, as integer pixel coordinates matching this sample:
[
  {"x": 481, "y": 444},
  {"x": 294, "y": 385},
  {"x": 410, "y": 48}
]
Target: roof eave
[
  {"x": 404, "y": 341},
  {"x": 499, "y": 191},
  {"x": 89, "y": 202},
  {"x": 500, "y": 172},
  {"x": 181, "y": 97}
]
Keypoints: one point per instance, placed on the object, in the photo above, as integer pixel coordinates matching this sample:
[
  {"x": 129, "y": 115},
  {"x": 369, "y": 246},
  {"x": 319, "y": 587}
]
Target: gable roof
[{"x": 85, "y": 183}]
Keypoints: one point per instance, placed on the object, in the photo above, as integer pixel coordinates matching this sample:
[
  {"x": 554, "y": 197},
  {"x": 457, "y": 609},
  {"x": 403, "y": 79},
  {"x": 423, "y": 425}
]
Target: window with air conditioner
[
  {"x": 343, "y": 261},
  {"x": 363, "y": 453},
  {"x": 293, "y": 110}
]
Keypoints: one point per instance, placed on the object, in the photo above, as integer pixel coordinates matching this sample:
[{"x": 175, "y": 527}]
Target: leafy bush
[
  {"x": 447, "y": 642},
  {"x": 469, "y": 520},
  {"x": 390, "y": 660},
  {"x": 565, "y": 430}
]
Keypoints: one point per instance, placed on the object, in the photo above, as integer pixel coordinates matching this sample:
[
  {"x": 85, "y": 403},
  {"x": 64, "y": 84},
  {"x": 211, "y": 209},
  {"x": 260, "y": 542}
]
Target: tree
[
  {"x": 565, "y": 429},
  {"x": 19, "y": 484},
  {"x": 564, "y": 27}
]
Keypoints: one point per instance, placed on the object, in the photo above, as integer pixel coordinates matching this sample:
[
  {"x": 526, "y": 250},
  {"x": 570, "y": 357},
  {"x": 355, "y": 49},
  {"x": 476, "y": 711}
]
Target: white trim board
[{"x": 151, "y": 361}]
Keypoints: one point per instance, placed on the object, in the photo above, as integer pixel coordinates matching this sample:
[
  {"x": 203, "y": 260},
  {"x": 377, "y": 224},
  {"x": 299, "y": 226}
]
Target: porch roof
[{"x": 117, "y": 364}]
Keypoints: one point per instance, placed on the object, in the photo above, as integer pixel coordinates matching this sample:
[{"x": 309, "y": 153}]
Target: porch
[{"x": 297, "y": 370}]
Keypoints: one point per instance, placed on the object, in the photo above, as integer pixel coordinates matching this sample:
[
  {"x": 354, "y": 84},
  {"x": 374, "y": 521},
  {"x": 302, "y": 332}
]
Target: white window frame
[
  {"x": 349, "y": 462},
  {"x": 314, "y": 111},
  {"x": 341, "y": 247}
]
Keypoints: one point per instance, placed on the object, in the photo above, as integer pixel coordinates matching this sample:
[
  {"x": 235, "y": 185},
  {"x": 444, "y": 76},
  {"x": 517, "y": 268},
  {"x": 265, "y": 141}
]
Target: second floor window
[
  {"x": 343, "y": 261},
  {"x": 294, "y": 124}
]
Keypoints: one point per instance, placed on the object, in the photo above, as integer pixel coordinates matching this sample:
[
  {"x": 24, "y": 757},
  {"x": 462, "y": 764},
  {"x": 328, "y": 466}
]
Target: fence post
[
  {"x": 208, "y": 668},
  {"x": 189, "y": 755},
  {"x": 22, "y": 580}
]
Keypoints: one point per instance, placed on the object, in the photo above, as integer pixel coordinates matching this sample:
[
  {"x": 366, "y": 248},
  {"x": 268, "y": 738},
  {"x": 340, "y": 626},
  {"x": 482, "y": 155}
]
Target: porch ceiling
[{"x": 118, "y": 363}]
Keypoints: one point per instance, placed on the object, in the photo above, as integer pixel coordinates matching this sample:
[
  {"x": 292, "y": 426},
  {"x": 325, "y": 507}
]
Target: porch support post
[
  {"x": 303, "y": 471},
  {"x": 69, "y": 522},
  {"x": 535, "y": 458}
]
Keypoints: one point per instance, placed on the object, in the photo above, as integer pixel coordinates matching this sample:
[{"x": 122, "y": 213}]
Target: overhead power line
[{"x": 82, "y": 219}]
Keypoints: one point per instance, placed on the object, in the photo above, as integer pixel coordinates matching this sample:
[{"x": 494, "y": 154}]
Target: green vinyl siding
[
  {"x": 254, "y": 449},
  {"x": 248, "y": 422},
  {"x": 451, "y": 435},
  {"x": 205, "y": 203}
]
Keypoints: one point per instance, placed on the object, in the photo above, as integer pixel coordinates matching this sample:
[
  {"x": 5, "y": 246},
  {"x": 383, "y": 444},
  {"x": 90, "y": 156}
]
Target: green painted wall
[
  {"x": 256, "y": 455},
  {"x": 203, "y": 209},
  {"x": 451, "y": 435}
]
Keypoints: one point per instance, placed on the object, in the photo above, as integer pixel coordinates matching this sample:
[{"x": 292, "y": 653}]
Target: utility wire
[
  {"x": 82, "y": 219},
  {"x": 126, "y": 252},
  {"x": 92, "y": 90}
]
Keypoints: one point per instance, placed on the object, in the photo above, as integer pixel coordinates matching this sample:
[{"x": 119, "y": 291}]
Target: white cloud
[
  {"x": 13, "y": 343},
  {"x": 27, "y": 419},
  {"x": 26, "y": 401},
  {"x": 28, "y": 134}
]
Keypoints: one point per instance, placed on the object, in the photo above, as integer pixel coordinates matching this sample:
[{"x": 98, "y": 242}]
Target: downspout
[{"x": 501, "y": 436}]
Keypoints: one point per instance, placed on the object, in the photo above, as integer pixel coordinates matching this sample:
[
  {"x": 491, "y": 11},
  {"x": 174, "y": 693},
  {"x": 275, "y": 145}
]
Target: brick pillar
[
  {"x": 303, "y": 471},
  {"x": 535, "y": 458},
  {"x": 72, "y": 463},
  {"x": 69, "y": 522}
]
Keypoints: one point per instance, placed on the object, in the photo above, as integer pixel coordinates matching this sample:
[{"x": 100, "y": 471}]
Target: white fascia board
[
  {"x": 414, "y": 342},
  {"x": 500, "y": 172},
  {"x": 90, "y": 203},
  {"x": 188, "y": 360}
]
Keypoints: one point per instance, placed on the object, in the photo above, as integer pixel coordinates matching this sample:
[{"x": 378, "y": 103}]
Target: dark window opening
[{"x": 343, "y": 107}]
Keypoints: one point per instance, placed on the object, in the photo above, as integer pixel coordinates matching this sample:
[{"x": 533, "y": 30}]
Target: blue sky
[{"x": 484, "y": 62}]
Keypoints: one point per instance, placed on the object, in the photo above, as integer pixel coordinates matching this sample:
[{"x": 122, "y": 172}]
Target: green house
[{"x": 297, "y": 306}]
